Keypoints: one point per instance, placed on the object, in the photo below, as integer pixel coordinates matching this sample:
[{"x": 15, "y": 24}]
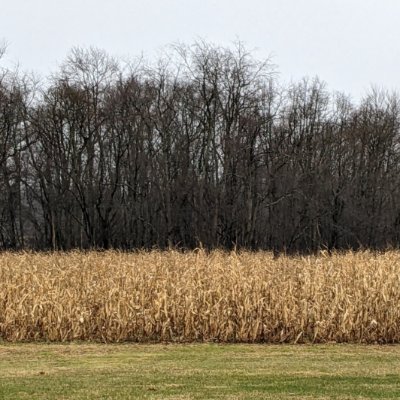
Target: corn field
[{"x": 197, "y": 296}]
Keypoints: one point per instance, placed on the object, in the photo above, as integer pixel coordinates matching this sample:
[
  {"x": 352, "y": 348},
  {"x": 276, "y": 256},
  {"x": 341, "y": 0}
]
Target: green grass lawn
[{"x": 202, "y": 371}]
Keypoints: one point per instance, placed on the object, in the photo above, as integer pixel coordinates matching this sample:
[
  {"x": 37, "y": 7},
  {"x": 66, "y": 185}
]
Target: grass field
[
  {"x": 200, "y": 297},
  {"x": 203, "y": 371}
]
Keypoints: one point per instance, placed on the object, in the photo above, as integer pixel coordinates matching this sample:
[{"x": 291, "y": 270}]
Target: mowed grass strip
[{"x": 203, "y": 371}]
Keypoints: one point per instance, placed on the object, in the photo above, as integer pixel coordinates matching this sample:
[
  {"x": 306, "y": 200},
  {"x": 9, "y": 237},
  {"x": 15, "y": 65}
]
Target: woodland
[{"x": 203, "y": 147}]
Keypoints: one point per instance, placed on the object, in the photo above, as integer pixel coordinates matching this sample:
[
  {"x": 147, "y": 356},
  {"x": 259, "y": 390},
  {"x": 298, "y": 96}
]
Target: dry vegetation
[{"x": 195, "y": 296}]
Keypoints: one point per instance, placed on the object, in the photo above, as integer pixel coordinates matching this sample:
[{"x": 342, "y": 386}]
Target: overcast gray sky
[{"x": 350, "y": 44}]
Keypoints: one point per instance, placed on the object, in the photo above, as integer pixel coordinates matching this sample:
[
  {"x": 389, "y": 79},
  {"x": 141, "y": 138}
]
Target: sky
[{"x": 350, "y": 44}]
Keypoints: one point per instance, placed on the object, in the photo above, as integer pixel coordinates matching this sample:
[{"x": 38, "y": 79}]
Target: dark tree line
[{"x": 203, "y": 148}]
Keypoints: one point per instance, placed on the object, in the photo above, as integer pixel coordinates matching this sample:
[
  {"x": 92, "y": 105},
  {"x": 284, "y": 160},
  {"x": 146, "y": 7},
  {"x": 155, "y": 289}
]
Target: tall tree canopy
[{"x": 203, "y": 147}]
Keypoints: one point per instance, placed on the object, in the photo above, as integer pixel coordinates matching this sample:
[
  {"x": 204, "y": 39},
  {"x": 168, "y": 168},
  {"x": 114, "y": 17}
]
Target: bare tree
[{"x": 203, "y": 147}]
